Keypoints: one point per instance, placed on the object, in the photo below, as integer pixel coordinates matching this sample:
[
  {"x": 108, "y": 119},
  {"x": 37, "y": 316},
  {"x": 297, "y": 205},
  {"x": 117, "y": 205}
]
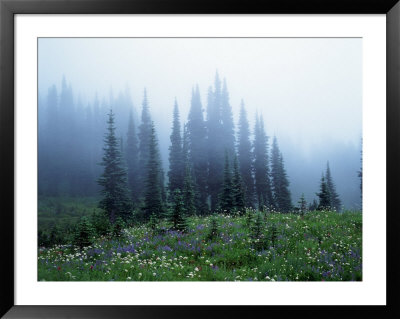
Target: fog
[{"x": 309, "y": 92}]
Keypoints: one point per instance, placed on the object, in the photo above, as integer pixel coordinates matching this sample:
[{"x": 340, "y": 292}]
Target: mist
[{"x": 308, "y": 90}]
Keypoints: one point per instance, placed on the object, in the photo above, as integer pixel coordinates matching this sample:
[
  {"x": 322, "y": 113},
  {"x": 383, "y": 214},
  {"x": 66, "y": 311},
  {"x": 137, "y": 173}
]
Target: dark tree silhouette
[
  {"x": 176, "y": 165},
  {"x": 280, "y": 182},
  {"x": 153, "y": 203},
  {"x": 245, "y": 157},
  {"x": 115, "y": 199}
]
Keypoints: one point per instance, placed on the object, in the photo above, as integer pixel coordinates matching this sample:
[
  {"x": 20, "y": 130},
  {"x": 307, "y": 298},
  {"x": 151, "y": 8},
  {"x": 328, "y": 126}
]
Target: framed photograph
[{"x": 165, "y": 158}]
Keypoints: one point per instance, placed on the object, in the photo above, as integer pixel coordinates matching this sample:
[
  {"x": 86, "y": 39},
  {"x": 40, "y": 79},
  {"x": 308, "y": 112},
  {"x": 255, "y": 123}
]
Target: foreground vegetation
[{"x": 316, "y": 246}]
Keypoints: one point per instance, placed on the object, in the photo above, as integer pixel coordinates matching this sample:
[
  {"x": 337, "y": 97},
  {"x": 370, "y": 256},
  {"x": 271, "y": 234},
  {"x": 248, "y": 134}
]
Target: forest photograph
[{"x": 199, "y": 159}]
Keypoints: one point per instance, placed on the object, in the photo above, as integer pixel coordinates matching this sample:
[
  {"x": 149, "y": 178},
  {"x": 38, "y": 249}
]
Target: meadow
[{"x": 316, "y": 246}]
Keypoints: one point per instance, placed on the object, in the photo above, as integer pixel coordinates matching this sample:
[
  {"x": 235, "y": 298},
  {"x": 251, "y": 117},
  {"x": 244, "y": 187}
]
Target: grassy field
[{"x": 319, "y": 246}]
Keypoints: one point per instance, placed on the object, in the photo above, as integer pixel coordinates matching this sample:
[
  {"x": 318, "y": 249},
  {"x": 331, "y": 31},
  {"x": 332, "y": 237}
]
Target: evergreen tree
[
  {"x": 197, "y": 151},
  {"x": 144, "y": 142},
  {"x": 261, "y": 166},
  {"x": 245, "y": 157},
  {"x": 132, "y": 160},
  {"x": 302, "y": 204},
  {"x": 334, "y": 197},
  {"x": 115, "y": 199},
  {"x": 324, "y": 195},
  {"x": 280, "y": 183},
  {"x": 215, "y": 143},
  {"x": 176, "y": 167},
  {"x": 228, "y": 127},
  {"x": 313, "y": 206},
  {"x": 177, "y": 216},
  {"x": 153, "y": 203},
  {"x": 237, "y": 188},
  {"x": 226, "y": 201},
  {"x": 84, "y": 233},
  {"x": 188, "y": 192}
]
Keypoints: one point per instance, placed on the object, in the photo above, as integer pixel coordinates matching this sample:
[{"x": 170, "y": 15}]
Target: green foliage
[
  {"x": 153, "y": 202},
  {"x": 188, "y": 193},
  {"x": 226, "y": 200},
  {"x": 261, "y": 166},
  {"x": 324, "y": 196},
  {"x": 302, "y": 205},
  {"x": 115, "y": 199},
  {"x": 273, "y": 234},
  {"x": 84, "y": 233},
  {"x": 245, "y": 157},
  {"x": 176, "y": 161},
  {"x": 334, "y": 196},
  {"x": 118, "y": 227},
  {"x": 280, "y": 182},
  {"x": 238, "y": 193},
  {"x": 321, "y": 246},
  {"x": 213, "y": 228},
  {"x": 196, "y": 143},
  {"x": 177, "y": 216},
  {"x": 100, "y": 222},
  {"x": 132, "y": 160}
]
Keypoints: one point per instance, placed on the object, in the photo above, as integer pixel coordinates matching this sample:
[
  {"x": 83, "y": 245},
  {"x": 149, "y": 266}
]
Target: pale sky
[{"x": 308, "y": 89}]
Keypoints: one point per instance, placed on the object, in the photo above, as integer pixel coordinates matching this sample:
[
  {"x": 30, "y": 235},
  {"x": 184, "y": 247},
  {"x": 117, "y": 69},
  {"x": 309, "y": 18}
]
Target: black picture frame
[{"x": 8, "y": 8}]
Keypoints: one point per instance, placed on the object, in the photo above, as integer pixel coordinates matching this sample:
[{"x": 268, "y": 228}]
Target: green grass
[{"x": 318, "y": 246}]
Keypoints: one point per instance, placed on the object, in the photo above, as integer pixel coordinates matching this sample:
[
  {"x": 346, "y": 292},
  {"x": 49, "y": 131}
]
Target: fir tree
[
  {"x": 228, "y": 127},
  {"x": 197, "y": 151},
  {"x": 115, "y": 201},
  {"x": 144, "y": 142},
  {"x": 261, "y": 166},
  {"x": 237, "y": 188},
  {"x": 177, "y": 216},
  {"x": 84, "y": 233},
  {"x": 132, "y": 160},
  {"x": 280, "y": 183},
  {"x": 245, "y": 157},
  {"x": 324, "y": 195},
  {"x": 153, "y": 203},
  {"x": 334, "y": 197},
  {"x": 215, "y": 143},
  {"x": 176, "y": 167},
  {"x": 213, "y": 227},
  {"x": 313, "y": 206},
  {"x": 188, "y": 192},
  {"x": 302, "y": 204},
  {"x": 226, "y": 201}
]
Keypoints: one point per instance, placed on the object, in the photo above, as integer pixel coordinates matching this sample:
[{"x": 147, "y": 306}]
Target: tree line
[{"x": 212, "y": 165}]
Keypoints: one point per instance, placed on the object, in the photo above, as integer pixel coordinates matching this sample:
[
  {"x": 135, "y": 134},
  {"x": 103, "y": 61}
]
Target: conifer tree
[
  {"x": 197, "y": 151},
  {"x": 226, "y": 201},
  {"x": 153, "y": 203},
  {"x": 313, "y": 206},
  {"x": 261, "y": 166},
  {"x": 324, "y": 195},
  {"x": 132, "y": 160},
  {"x": 280, "y": 183},
  {"x": 237, "y": 188},
  {"x": 84, "y": 233},
  {"x": 334, "y": 197},
  {"x": 302, "y": 204},
  {"x": 188, "y": 192},
  {"x": 215, "y": 143},
  {"x": 177, "y": 216},
  {"x": 245, "y": 157},
  {"x": 228, "y": 127},
  {"x": 176, "y": 167},
  {"x": 144, "y": 141},
  {"x": 115, "y": 201}
]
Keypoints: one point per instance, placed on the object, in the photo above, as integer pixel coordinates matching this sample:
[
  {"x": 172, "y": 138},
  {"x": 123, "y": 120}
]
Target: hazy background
[{"x": 308, "y": 90}]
